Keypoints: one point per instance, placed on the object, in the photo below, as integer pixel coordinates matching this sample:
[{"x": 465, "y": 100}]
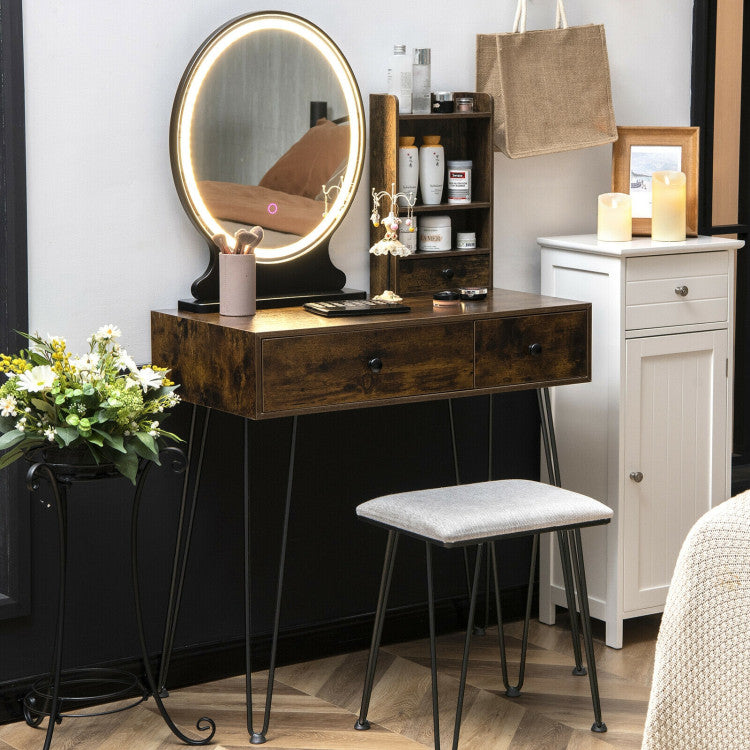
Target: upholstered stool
[{"x": 480, "y": 514}]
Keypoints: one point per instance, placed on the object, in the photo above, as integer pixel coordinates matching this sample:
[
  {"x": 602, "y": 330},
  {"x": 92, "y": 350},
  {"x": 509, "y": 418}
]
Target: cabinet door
[{"x": 675, "y": 436}]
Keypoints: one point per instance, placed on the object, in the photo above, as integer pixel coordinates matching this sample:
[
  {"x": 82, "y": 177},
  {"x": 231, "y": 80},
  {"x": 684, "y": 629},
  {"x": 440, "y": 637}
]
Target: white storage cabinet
[{"x": 650, "y": 435}]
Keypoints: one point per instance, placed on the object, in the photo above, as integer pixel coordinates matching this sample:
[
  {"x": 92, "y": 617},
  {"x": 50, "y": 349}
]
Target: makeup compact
[
  {"x": 472, "y": 293},
  {"x": 446, "y": 299}
]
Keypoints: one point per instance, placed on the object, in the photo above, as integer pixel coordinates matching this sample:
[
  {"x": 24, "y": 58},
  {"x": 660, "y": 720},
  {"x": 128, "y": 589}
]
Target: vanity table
[{"x": 287, "y": 362}]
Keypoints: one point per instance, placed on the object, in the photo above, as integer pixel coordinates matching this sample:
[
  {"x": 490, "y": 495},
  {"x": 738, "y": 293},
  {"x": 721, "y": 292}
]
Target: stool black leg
[
  {"x": 553, "y": 470},
  {"x": 433, "y": 647},
  {"x": 583, "y": 601},
  {"x": 467, "y": 645},
  {"x": 377, "y": 631},
  {"x": 454, "y": 451},
  {"x": 513, "y": 691}
]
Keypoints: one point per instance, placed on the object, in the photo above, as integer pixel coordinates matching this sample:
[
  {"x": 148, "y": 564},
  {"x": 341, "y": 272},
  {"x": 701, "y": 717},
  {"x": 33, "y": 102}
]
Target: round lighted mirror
[{"x": 268, "y": 129}]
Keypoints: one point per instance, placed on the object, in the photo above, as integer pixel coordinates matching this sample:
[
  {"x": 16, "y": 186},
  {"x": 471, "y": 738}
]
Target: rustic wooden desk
[{"x": 288, "y": 362}]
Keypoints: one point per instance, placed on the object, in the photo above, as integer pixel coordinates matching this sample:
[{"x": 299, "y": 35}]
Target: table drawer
[
  {"x": 421, "y": 273},
  {"x": 534, "y": 349},
  {"x": 339, "y": 369},
  {"x": 675, "y": 290}
]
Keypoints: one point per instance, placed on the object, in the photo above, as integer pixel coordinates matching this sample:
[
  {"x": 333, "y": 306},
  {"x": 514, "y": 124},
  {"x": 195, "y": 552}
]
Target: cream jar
[
  {"x": 434, "y": 234},
  {"x": 466, "y": 240}
]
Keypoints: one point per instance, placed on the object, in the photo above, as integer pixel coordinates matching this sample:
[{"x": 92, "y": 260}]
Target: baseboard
[{"x": 200, "y": 663}]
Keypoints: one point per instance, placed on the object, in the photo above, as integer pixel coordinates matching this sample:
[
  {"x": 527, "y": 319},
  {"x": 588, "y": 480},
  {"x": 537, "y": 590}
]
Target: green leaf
[
  {"x": 88, "y": 390},
  {"x": 8, "y": 458},
  {"x": 144, "y": 452},
  {"x": 96, "y": 440},
  {"x": 68, "y": 434},
  {"x": 44, "y": 406},
  {"x": 60, "y": 399},
  {"x": 9, "y": 439},
  {"x": 73, "y": 419},
  {"x": 114, "y": 441},
  {"x": 127, "y": 465},
  {"x": 148, "y": 441}
]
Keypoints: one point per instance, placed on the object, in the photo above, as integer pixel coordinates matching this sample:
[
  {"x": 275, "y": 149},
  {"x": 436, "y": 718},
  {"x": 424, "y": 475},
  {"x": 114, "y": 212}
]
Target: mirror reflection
[{"x": 269, "y": 132}]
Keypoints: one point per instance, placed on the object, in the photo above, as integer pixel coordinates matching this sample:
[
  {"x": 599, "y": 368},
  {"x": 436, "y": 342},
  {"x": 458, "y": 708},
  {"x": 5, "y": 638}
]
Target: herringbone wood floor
[{"x": 316, "y": 702}]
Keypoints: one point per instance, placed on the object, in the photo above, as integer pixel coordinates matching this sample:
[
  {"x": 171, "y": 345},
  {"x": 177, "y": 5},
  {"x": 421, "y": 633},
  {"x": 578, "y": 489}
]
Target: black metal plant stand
[{"x": 61, "y": 695}]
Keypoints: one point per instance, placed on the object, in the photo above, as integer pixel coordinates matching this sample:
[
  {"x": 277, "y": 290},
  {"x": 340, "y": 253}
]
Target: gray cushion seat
[{"x": 475, "y": 512}]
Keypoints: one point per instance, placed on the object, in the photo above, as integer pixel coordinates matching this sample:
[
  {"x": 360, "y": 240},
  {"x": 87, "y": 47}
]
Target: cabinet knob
[
  {"x": 681, "y": 291},
  {"x": 375, "y": 364},
  {"x": 447, "y": 273},
  {"x": 636, "y": 476},
  {"x": 535, "y": 349}
]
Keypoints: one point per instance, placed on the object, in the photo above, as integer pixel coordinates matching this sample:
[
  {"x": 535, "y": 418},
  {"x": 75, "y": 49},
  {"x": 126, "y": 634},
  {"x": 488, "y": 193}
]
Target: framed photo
[{"x": 638, "y": 152}]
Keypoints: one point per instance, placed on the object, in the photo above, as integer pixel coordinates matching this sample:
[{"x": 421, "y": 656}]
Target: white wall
[{"x": 108, "y": 240}]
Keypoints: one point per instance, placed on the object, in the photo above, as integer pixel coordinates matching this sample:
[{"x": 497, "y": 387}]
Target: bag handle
[{"x": 519, "y": 23}]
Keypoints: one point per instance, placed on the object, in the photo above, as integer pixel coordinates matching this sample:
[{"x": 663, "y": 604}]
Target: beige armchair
[{"x": 700, "y": 696}]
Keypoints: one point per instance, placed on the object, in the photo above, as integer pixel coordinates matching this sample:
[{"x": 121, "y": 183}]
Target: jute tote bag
[{"x": 551, "y": 87}]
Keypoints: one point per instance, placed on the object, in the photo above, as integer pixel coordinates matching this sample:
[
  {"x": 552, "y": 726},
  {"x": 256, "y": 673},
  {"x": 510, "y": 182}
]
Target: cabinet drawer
[
  {"x": 534, "y": 349},
  {"x": 421, "y": 273},
  {"x": 337, "y": 369},
  {"x": 676, "y": 290}
]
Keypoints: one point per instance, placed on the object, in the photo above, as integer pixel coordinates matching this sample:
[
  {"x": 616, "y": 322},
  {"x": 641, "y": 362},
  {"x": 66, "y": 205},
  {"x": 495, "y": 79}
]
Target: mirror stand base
[{"x": 277, "y": 300}]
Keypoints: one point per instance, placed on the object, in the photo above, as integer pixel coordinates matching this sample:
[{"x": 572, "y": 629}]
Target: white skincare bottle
[
  {"x": 431, "y": 170},
  {"x": 420, "y": 94},
  {"x": 408, "y": 169},
  {"x": 399, "y": 78}
]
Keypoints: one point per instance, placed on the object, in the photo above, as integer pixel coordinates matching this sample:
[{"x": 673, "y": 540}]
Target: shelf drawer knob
[
  {"x": 636, "y": 476},
  {"x": 681, "y": 291},
  {"x": 375, "y": 364},
  {"x": 447, "y": 273},
  {"x": 535, "y": 348}
]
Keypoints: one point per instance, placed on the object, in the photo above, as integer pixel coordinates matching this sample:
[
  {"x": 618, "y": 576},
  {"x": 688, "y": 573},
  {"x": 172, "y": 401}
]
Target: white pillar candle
[
  {"x": 668, "y": 201},
  {"x": 615, "y": 218}
]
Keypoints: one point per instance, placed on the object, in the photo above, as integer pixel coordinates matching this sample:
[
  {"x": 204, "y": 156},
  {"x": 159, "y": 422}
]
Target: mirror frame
[{"x": 185, "y": 99}]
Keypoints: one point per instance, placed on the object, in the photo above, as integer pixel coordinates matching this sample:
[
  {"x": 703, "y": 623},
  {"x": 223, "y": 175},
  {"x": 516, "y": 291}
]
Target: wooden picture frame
[{"x": 640, "y": 149}]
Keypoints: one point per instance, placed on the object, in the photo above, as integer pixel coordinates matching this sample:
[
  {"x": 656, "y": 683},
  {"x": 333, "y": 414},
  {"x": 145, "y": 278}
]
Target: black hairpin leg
[
  {"x": 433, "y": 646},
  {"x": 553, "y": 471},
  {"x": 513, "y": 691},
  {"x": 467, "y": 646},
  {"x": 377, "y": 630},
  {"x": 588, "y": 642},
  {"x": 454, "y": 450},
  {"x": 204, "y": 724},
  {"x": 258, "y": 738},
  {"x": 482, "y": 629},
  {"x": 182, "y": 547}
]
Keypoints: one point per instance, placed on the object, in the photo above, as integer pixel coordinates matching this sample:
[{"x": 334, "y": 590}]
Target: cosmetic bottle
[
  {"x": 420, "y": 82},
  {"x": 399, "y": 78},
  {"x": 408, "y": 169},
  {"x": 431, "y": 170}
]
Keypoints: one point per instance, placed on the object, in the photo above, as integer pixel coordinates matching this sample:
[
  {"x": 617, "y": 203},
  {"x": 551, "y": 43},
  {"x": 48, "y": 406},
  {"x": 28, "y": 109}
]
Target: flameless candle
[
  {"x": 615, "y": 219},
  {"x": 668, "y": 201}
]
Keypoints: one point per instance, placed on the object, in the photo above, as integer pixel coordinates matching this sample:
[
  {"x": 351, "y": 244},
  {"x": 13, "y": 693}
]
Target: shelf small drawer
[
  {"x": 545, "y": 349},
  {"x": 675, "y": 290},
  {"x": 341, "y": 369},
  {"x": 420, "y": 273}
]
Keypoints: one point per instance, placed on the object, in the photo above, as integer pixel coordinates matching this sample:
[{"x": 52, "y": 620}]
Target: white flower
[
  {"x": 126, "y": 362},
  {"x": 153, "y": 433},
  {"x": 148, "y": 378},
  {"x": 21, "y": 424},
  {"x": 8, "y": 406},
  {"x": 36, "y": 379},
  {"x": 107, "y": 333},
  {"x": 50, "y": 433},
  {"x": 86, "y": 364}
]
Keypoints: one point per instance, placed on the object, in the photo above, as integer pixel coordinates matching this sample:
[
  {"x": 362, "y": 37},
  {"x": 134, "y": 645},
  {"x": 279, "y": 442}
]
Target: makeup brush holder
[{"x": 237, "y": 284}]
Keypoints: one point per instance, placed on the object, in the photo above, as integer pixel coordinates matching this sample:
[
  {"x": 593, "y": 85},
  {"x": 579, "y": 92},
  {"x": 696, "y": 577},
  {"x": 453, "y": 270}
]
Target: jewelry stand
[{"x": 50, "y": 695}]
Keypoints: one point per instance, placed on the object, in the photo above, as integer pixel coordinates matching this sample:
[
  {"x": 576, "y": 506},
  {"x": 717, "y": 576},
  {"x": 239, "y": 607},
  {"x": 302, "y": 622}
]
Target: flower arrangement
[{"x": 101, "y": 401}]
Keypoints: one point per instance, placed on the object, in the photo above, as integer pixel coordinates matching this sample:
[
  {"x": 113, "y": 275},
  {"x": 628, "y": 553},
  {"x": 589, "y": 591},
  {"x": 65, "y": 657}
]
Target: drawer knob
[
  {"x": 375, "y": 364},
  {"x": 681, "y": 290},
  {"x": 447, "y": 273},
  {"x": 636, "y": 476},
  {"x": 535, "y": 349}
]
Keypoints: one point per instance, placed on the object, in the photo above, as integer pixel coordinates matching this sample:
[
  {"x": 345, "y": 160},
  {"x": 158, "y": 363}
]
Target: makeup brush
[
  {"x": 248, "y": 239},
  {"x": 220, "y": 240}
]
